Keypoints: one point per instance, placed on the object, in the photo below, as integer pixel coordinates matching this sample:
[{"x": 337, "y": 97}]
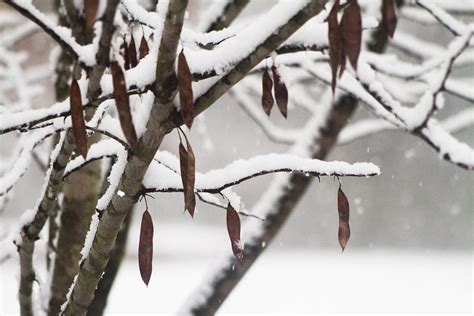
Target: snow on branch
[
  {"x": 171, "y": 162},
  {"x": 161, "y": 179},
  {"x": 453, "y": 7},
  {"x": 14, "y": 35},
  {"x": 304, "y": 39},
  {"x": 366, "y": 127},
  {"x": 232, "y": 51},
  {"x": 30, "y": 119},
  {"x": 421, "y": 49},
  {"x": 114, "y": 179},
  {"x": 62, "y": 35},
  {"x": 394, "y": 67},
  {"x": 455, "y": 26},
  {"x": 102, "y": 149},
  {"x": 23, "y": 161},
  {"x": 414, "y": 118},
  {"x": 380, "y": 102}
]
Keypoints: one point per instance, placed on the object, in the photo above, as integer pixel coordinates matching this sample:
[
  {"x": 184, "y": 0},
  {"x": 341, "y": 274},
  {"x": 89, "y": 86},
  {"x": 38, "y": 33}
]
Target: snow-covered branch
[
  {"x": 455, "y": 26},
  {"x": 62, "y": 35},
  {"x": 381, "y": 103},
  {"x": 161, "y": 179}
]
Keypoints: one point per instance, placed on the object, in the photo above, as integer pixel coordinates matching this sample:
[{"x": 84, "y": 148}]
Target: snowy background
[{"x": 411, "y": 244}]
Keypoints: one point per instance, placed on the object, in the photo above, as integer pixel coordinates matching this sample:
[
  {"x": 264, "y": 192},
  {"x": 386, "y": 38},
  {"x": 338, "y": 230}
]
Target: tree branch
[
  {"x": 130, "y": 182},
  {"x": 278, "y": 202},
  {"x": 30, "y": 231},
  {"x": 239, "y": 171},
  {"x": 268, "y": 44},
  {"x": 58, "y": 34}
]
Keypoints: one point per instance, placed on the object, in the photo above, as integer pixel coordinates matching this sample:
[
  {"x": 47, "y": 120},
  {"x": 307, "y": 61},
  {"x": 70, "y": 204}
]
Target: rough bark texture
[
  {"x": 80, "y": 197},
  {"x": 30, "y": 232},
  {"x": 158, "y": 126},
  {"x": 63, "y": 73},
  {"x": 97, "y": 307},
  {"x": 130, "y": 183},
  {"x": 99, "y": 303},
  {"x": 82, "y": 187}
]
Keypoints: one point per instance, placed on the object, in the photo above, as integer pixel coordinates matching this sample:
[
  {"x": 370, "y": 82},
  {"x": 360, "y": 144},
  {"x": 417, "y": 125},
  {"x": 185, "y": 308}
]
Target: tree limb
[
  {"x": 30, "y": 12},
  {"x": 267, "y": 46},
  {"x": 280, "y": 200},
  {"x": 130, "y": 183},
  {"x": 278, "y": 203}
]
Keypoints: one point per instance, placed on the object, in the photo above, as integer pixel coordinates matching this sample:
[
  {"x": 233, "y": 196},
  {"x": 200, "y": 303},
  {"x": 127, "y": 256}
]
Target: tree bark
[
  {"x": 130, "y": 183},
  {"x": 159, "y": 124},
  {"x": 80, "y": 197},
  {"x": 98, "y": 305}
]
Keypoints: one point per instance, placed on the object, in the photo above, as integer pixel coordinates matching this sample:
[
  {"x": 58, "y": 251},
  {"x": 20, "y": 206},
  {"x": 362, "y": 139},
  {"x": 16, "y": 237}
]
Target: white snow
[
  {"x": 236, "y": 48},
  {"x": 162, "y": 179},
  {"x": 86, "y": 53},
  {"x": 458, "y": 152},
  {"x": 113, "y": 179},
  {"x": 283, "y": 281}
]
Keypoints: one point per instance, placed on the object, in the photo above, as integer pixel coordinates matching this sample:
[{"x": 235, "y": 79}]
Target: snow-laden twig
[
  {"x": 394, "y": 67},
  {"x": 421, "y": 49},
  {"x": 372, "y": 93},
  {"x": 161, "y": 179},
  {"x": 275, "y": 205},
  {"x": 102, "y": 149},
  {"x": 62, "y": 35},
  {"x": 23, "y": 161},
  {"x": 33, "y": 222},
  {"x": 24, "y": 121},
  {"x": 171, "y": 162},
  {"x": 367, "y": 127},
  {"x": 455, "y": 26}
]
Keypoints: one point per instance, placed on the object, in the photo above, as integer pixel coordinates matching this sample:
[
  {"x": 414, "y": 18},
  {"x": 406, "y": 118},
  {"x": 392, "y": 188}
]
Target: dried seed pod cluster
[
  {"x": 345, "y": 37},
  {"x": 279, "y": 88}
]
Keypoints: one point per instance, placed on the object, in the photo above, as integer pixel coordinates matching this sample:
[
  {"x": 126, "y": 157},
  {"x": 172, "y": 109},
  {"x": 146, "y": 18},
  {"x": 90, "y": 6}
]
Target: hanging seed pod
[
  {"x": 267, "y": 96},
  {"x": 188, "y": 176},
  {"x": 389, "y": 17},
  {"x": 123, "y": 105},
  {"x": 352, "y": 32},
  {"x": 144, "y": 49},
  {"x": 132, "y": 50},
  {"x": 233, "y": 228},
  {"x": 335, "y": 43},
  {"x": 344, "y": 232},
  {"x": 77, "y": 117},
  {"x": 281, "y": 92},
  {"x": 185, "y": 90},
  {"x": 145, "y": 248}
]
